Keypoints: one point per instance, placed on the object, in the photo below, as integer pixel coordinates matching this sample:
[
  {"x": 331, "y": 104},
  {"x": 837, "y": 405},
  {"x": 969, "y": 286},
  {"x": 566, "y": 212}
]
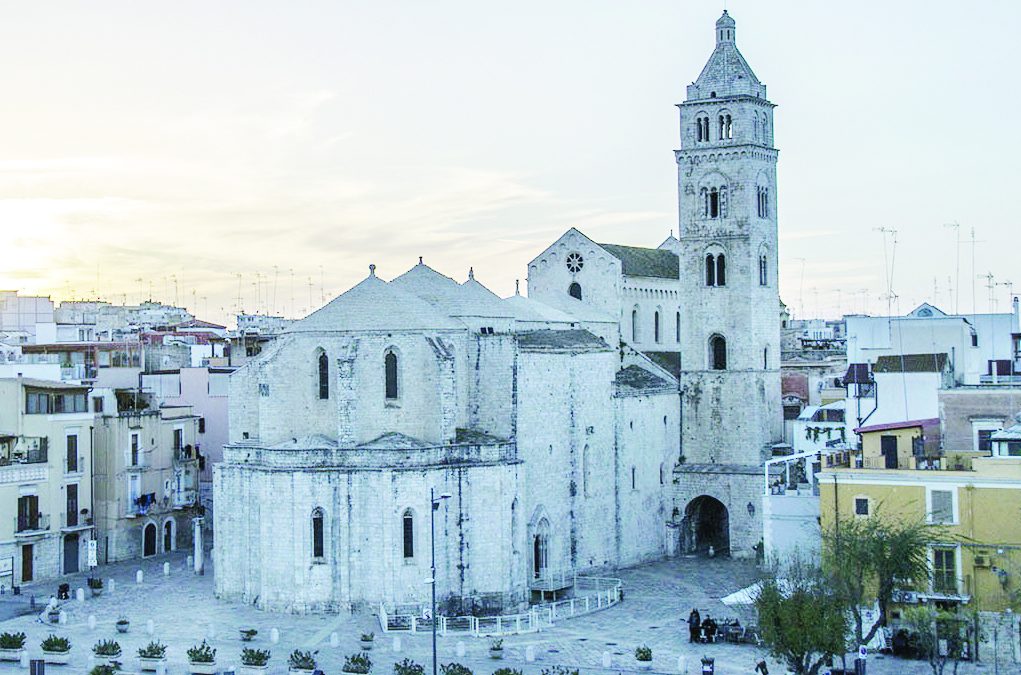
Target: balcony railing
[
  {"x": 32, "y": 522},
  {"x": 74, "y": 520},
  {"x": 185, "y": 498},
  {"x": 32, "y": 455},
  {"x": 1010, "y": 380}
]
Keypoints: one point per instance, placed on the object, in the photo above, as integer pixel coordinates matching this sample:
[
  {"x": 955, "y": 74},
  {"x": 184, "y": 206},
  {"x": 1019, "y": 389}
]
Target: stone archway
[{"x": 706, "y": 524}]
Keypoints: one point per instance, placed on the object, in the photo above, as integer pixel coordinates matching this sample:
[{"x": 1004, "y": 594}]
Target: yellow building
[
  {"x": 45, "y": 479},
  {"x": 974, "y": 497}
]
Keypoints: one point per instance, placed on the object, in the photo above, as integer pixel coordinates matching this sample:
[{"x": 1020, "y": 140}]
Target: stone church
[{"x": 619, "y": 413}]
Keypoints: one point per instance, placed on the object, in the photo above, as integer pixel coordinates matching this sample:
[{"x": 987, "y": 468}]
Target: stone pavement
[{"x": 182, "y": 607}]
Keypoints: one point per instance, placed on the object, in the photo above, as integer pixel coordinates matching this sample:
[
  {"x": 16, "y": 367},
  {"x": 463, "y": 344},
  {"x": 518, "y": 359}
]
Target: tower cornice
[{"x": 742, "y": 98}]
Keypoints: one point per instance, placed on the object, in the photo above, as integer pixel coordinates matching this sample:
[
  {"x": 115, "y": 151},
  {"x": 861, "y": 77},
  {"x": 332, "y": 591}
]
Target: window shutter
[{"x": 942, "y": 506}]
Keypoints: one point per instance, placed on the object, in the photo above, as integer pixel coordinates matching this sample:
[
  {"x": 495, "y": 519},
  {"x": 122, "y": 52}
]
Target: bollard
[
  {"x": 23, "y": 661},
  {"x": 397, "y": 643},
  {"x": 334, "y": 640},
  {"x": 111, "y": 585},
  {"x": 191, "y": 561},
  {"x": 460, "y": 650},
  {"x": 139, "y": 575},
  {"x": 92, "y": 622},
  {"x": 682, "y": 664},
  {"x": 530, "y": 653},
  {"x": 150, "y": 627},
  {"x": 79, "y": 595},
  {"x": 166, "y": 569},
  {"x": 274, "y": 636},
  {"x": 607, "y": 661},
  {"x": 63, "y": 618}
]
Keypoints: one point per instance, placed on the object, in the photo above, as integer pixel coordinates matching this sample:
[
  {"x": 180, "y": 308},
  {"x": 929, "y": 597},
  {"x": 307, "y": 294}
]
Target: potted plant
[
  {"x": 302, "y": 662},
  {"x": 496, "y": 649},
  {"x": 56, "y": 650},
  {"x": 53, "y": 613},
  {"x": 408, "y": 667},
  {"x": 106, "y": 652},
  {"x": 123, "y": 624},
  {"x": 509, "y": 671},
  {"x": 95, "y": 586},
  {"x": 358, "y": 663},
  {"x": 455, "y": 669},
  {"x": 152, "y": 655},
  {"x": 12, "y": 646},
  {"x": 202, "y": 659},
  {"x": 103, "y": 669},
  {"x": 643, "y": 655},
  {"x": 248, "y": 634},
  {"x": 254, "y": 661},
  {"x": 366, "y": 641}
]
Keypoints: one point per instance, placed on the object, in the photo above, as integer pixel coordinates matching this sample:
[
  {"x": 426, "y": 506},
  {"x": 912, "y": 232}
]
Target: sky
[{"x": 204, "y": 153}]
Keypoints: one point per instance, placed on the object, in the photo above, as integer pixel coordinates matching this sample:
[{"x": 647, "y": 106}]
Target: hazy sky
[{"x": 193, "y": 141}]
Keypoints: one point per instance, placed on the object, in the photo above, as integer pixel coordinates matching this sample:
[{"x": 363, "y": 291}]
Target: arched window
[
  {"x": 763, "y": 202},
  {"x": 721, "y": 270},
  {"x": 574, "y": 290},
  {"x": 755, "y": 126},
  {"x": 655, "y": 326},
  {"x": 703, "y": 195},
  {"x": 318, "y": 533},
  {"x": 698, "y": 129},
  {"x": 408, "y": 530},
  {"x": 324, "y": 376},
  {"x": 763, "y": 270},
  {"x": 677, "y": 327},
  {"x": 390, "y": 367},
  {"x": 714, "y": 203},
  {"x": 765, "y": 358},
  {"x": 723, "y": 123},
  {"x": 634, "y": 324},
  {"x": 717, "y": 353},
  {"x": 728, "y": 127},
  {"x": 723, "y": 202},
  {"x": 710, "y": 270}
]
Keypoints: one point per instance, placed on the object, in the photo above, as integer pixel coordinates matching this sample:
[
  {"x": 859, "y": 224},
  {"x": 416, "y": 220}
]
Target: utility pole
[
  {"x": 957, "y": 283},
  {"x": 889, "y": 261}
]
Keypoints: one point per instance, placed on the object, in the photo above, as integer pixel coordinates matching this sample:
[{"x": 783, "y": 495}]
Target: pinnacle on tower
[{"x": 726, "y": 28}]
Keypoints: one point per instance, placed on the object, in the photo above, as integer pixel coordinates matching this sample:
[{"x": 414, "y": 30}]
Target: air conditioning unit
[{"x": 982, "y": 561}]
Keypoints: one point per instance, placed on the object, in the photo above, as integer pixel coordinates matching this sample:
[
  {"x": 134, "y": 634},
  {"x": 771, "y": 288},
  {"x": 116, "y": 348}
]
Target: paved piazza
[{"x": 183, "y": 609}]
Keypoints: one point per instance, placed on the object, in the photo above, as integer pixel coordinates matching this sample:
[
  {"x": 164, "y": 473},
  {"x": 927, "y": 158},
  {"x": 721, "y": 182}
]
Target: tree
[
  {"x": 867, "y": 558},
  {"x": 802, "y": 618},
  {"x": 941, "y": 637}
]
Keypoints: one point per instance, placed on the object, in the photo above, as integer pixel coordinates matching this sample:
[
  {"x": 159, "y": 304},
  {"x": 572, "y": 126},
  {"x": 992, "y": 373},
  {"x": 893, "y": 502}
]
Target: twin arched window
[
  {"x": 763, "y": 270},
  {"x": 324, "y": 376},
  {"x": 715, "y": 270},
  {"x": 318, "y": 533},
  {"x": 717, "y": 353},
  {"x": 714, "y": 202},
  {"x": 574, "y": 290},
  {"x": 702, "y": 128},
  {"x": 391, "y": 375},
  {"x": 408, "y": 532},
  {"x": 726, "y": 127},
  {"x": 763, "y": 202}
]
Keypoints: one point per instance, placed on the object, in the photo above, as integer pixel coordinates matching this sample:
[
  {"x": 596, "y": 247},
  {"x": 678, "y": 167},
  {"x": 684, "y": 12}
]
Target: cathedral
[{"x": 618, "y": 413}]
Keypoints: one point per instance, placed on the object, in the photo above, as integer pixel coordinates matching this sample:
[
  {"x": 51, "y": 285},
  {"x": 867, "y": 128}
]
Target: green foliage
[
  {"x": 54, "y": 643},
  {"x": 803, "y": 620},
  {"x": 303, "y": 660},
  {"x": 254, "y": 657},
  {"x": 559, "y": 670},
  {"x": 248, "y": 633},
  {"x": 507, "y": 671},
  {"x": 496, "y": 644},
  {"x": 868, "y": 558},
  {"x": 368, "y": 637},
  {"x": 643, "y": 653},
  {"x": 95, "y": 582},
  {"x": 359, "y": 663},
  {"x": 103, "y": 670},
  {"x": 202, "y": 653},
  {"x": 107, "y": 648},
  {"x": 153, "y": 650},
  {"x": 455, "y": 669},
  {"x": 123, "y": 621},
  {"x": 930, "y": 626},
  {"x": 408, "y": 667},
  {"x": 12, "y": 640}
]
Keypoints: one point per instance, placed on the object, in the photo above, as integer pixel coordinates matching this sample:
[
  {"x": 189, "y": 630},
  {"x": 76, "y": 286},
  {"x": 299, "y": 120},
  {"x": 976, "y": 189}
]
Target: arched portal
[
  {"x": 540, "y": 549},
  {"x": 149, "y": 540},
  {"x": 168, "y": 536},
  {"x": 706, "y": 523}
]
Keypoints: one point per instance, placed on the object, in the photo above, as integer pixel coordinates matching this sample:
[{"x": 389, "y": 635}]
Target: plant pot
[
  {"x": 57, "y": 658},
  {"x": 253, "y": 670},
  {"x": 496, "y": 653},
  {"x": 644, "y": 665},
  {"x": 150, "y": 663},
  {"x": 366, "y": 645},
  {"x": 246, "y": 637},
  {"x": 202, "y": 668},
  {"x": 11, "y": 654},
  {"x": 300, "y": 671},
  {"x": 123, "y": 627},
  {"x": 54, "y": 617},
  {"x": 96, "y": 592},
  {"x": 107, "y": 660}
]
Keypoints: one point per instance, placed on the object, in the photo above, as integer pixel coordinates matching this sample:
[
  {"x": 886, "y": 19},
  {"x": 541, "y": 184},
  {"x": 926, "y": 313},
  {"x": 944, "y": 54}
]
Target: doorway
[
  {"x": 888, "y": 446},
  {"x": 71, "y": 554},
  {"x": 706, "y": 525},
  {"x": 149, "y": 540},
  {"x": 168, "y": 536},
  {"x": 27, "y": 556}
]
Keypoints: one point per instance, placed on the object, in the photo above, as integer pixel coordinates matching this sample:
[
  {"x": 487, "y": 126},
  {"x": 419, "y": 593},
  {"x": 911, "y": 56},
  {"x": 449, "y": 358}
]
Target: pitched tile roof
[
  {"x": 635, "y": 379},
  {"x": 637, "y": 261}
]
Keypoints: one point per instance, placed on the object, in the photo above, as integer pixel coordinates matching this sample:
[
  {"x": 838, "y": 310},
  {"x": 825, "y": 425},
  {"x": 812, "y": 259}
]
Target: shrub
[
  {"x": 254, "y": 657},
  {"x": 507, "y": 671},
  {"x": 95, "y": 582},
  {"x": 559, "y": 670},
  {"x": 122, "y": 620},
  {"x": 202, "y": 653},
  {"x": 408, "y": 667},
  {"x": 103, "y": 670},
  {"x": 153, "y": 650},
  {"x": 106, "y": 648},
  {"x": 303, "y": 660},
  {"x": 496, "y": 645},
  {"x": 368, "y": 637},
  {"x": 54, "y": 643},
  {"x": 248, "y": 633},
  {"x": 455, "y": 669},
  {"x": 359, "y": 663},
  {"x": 643, "y": 653},
  {"x": 12, "y": 640}
]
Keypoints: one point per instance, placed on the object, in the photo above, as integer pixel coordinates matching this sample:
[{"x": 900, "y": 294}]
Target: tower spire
[{"x": 726, "y": 29}]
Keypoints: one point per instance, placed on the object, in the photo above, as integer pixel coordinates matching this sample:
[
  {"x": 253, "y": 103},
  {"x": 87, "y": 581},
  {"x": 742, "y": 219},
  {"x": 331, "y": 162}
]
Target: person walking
[{"x": 694, "y": 625}]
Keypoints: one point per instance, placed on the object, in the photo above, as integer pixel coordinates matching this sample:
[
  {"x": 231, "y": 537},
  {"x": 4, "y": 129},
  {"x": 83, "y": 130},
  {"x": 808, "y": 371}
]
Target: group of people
[{"x": 701, "y": 630}]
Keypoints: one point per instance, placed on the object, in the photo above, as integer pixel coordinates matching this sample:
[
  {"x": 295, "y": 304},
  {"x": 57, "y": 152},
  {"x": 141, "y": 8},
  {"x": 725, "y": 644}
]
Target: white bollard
[
  {"x": 111, "y": 585},
  {"x": 274, "y": 636},
  {"x": 23, "y": 662},
  {"x": 150, "y": 627},
  {"x": 63, "y": 618},
  {"x": 682, "y": 664},
  {"x": 191, "y": 561},
  {"x": 334, "y": 640},
  {"x": 139, "y": 575},
  {"x": 79, "y": 595},
  {"x": 166, "y": 569},
  {"x": 460, "y": 650},
  {"x": 92, "y": 622},
  {"x": 607, "y": 660},
  {"x": 530, "y": 653},
  {"x": 397, "y": 643}
]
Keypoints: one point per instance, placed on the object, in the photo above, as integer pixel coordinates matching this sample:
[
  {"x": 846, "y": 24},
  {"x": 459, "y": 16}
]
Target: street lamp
[{"x": 434, "y": 504}]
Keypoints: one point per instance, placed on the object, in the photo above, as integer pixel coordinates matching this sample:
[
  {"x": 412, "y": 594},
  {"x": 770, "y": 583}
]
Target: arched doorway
[
  {"x": 168, "y": 536},
  {"x": 149, "y": 540},
  {"x": 706, "y": 523},
  {"x": 540, "y": 549}
]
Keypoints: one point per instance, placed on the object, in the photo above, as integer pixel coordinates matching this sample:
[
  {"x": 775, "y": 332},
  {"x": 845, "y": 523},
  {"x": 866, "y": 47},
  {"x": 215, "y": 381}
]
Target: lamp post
[{"x": 434, "y": 504}]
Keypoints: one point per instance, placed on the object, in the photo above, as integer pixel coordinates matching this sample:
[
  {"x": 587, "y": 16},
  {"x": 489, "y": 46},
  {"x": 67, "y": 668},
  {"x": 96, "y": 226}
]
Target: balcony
[
  {"x": 74, "y": 522},
  {"x": 32, "y": 524},
  {"x": 185, "y": 454},
  {"x": 1001, "y": 380},
  {"x": 139, "y": 462},
  {"x": 185, "y": 498},
  {"x": 24, "y": 453}
]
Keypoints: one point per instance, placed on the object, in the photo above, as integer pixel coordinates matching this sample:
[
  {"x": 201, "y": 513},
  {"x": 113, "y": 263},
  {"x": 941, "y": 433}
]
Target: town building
[{"x": 45, "y": 479}]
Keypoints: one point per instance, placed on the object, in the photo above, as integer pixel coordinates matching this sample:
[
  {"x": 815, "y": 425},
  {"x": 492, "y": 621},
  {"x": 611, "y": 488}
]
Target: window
[
  {"x": 408, "y": 523},
  {"x": 318, "y": 534},
  {"x": 390, "y": 368},
  {"x": 634, "y": 325},
  {"x": 134, "y": 449},
  {"x": 721, "y": 270},
  {"x": 702, "y": 129},
  {"x": 763, "y": 267},
  {"x": 677, "y": 327},
  {"x": 633, "y": 478},
  {"x": 662, "y": 478},
  {"x": 655, "y": 326},
  {"x": 710, "y": 270},
  {"x": 324, "y": 376},
  {"x": 717, "y": 353},
  {"x": 1010, "y": 448},
  {"x": 97, "y": 404},
  {"x": 941, "y": 507},
  {"x": 861, "y": 506},
  {"x": 178, "y": 439},
  {"x": 72, "y": 453},
  {"x": 944, "y": 570},
  {"x": 71, "y": 509},
  {"x": 974, "y": 339},
  {"x": 714, "y": 203},
  {"x": 985, "y": 443},
  {"x": 574, "y": 290},
  {"x": 202, "y": 425},
  {"x": 765, "y": 358},
  {"x": 763, "y": 202},
  {"x": 575, "y": 262}
]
